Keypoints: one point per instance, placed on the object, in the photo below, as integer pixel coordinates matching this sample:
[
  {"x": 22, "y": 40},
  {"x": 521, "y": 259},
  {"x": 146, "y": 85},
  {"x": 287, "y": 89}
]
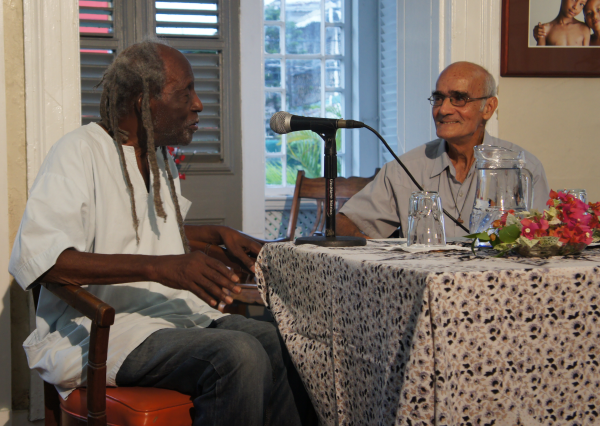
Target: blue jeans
[{"x": 236, "y": 371}]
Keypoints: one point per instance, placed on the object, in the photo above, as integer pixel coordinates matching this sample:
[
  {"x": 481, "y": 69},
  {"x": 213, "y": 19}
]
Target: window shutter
[
  {"x": 93, "y": 64},
  {"x": 96, "y": 18},
  {"x": 99, "y": 41},
  {"x": 187, "y": 18},
  {"x": 207, "y": 141},
  {"x": 194, "y": 27},
  {"x": 388, "y": 75}
]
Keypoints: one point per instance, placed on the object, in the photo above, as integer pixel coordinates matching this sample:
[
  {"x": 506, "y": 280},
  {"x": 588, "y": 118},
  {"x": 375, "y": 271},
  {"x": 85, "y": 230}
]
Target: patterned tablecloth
[{"x": 386, "y": 337}]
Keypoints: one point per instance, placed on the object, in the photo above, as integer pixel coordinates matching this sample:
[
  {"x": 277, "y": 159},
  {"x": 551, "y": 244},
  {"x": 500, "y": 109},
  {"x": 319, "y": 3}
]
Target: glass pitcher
[{"x": 503, "y": 183}]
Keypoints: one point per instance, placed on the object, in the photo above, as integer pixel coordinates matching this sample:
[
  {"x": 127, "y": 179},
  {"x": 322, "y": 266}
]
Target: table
[{"x": 391, "y": 338}]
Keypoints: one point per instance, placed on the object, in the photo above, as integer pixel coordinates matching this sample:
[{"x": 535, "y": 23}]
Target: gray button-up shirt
[{"x": 382, "y": 206}]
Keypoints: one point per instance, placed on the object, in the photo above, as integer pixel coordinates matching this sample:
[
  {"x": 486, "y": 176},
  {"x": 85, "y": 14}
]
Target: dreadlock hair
[{"x": 138, "y": 69}]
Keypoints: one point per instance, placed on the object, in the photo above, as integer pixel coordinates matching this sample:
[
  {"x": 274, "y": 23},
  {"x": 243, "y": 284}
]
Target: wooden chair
[
  {"x": 314, "y": 188},
  {"x": 98, "y": 405},
  {"x": 306, "y": 188}
]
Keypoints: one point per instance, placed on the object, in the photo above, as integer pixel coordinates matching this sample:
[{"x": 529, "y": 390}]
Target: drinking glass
[
  {"x": 425, "y": 220},
  {"x": 577, "y": 193}
]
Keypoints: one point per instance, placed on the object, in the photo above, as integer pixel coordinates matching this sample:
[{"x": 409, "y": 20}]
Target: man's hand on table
[{"x": 239, "y": 246}]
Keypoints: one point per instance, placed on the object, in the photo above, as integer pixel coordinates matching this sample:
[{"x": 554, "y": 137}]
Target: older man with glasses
[{"x": 462, "y": 103}]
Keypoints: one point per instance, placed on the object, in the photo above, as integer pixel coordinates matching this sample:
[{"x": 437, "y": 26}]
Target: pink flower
[
  {"x": 573, "y": 215},
  {"x": 529, "y": 228},
  {"x": 581, "y": 234},
  {"x": 553, "y": 196},
  {"x": 595, "y": 208},
  {"x": 504, "y": 216}
]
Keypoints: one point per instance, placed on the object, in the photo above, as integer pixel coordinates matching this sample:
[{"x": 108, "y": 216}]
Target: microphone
[{"x": 283, "y": 122}]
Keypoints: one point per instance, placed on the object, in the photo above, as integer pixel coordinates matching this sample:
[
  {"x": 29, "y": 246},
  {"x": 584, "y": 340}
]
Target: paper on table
[
  {"x": 418, "y": 248},
  {"x": 399, "y": 244}
]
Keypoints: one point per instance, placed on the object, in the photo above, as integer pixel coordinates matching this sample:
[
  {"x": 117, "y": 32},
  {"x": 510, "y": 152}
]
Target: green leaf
[{"x": 509, "y": 234}]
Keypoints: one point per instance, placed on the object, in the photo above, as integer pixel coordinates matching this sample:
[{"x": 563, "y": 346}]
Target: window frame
[{"x": 345, "y": 154}]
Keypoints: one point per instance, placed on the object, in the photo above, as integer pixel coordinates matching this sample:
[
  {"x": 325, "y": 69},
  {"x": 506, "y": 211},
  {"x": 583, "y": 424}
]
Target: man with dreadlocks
[{"x": 77, "y": 229}]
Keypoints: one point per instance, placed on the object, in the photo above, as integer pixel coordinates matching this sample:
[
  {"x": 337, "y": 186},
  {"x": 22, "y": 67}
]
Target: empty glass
[
  {"x": 425, "y": 220},
  {"x": 577, "y": 193}
]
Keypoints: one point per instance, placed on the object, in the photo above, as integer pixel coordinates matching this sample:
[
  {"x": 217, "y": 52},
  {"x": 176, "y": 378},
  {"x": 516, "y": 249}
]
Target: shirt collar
[{"x": 442, "y": 160}]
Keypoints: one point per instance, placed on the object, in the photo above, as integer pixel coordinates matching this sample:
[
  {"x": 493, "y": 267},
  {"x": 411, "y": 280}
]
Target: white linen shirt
[
  {"x": 382, "y": 206},
  {"x": 80, "y": 200}
]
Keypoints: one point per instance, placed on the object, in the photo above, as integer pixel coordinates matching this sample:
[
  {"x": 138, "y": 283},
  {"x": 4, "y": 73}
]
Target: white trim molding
[
  {"x": 52, "y": 100},
  {"x": 52, "y": 76},
  {"x": 5, "y": 356},
  {"x": 253, "y": 130},
  {"x": 470, "y": 31}
]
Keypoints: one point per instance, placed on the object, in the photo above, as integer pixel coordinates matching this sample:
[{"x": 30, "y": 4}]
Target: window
[
  {"x": 305, "y": 74},
  {"x": 197, "y": 28}
]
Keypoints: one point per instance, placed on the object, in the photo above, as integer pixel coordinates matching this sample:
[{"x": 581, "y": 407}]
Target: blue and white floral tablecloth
[{"x": 392, "y": 338}]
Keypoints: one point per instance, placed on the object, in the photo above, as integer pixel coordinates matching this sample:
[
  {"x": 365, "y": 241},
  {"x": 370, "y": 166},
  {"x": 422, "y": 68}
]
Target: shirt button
[{"x": 460, "y": 194}]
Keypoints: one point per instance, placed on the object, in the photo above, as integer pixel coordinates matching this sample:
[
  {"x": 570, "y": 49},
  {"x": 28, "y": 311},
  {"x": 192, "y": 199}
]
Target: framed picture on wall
[{"x": 550, "y": 38}]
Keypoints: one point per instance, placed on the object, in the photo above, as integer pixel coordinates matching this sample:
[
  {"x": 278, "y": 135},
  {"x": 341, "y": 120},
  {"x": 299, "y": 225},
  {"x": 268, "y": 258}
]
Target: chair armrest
[{"x": 102, "y": 316}]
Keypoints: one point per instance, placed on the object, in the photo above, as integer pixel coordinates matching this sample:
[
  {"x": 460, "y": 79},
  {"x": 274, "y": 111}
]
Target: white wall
[{"x": 5, "y": 356}]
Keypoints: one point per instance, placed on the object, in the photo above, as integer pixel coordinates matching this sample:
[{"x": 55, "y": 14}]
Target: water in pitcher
[{"x": 503, "y": 184}]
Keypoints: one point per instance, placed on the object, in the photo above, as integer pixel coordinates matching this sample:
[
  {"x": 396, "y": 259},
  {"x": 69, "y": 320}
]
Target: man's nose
[
  {"x": 197, "y": 103},
  {"x": 446, "y": 107}
]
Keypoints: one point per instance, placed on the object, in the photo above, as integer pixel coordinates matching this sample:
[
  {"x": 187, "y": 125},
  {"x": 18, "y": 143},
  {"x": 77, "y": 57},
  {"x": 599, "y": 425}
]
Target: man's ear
[
  {"x": 138, "y": 103},
  {"x": 490, "y": 106}
]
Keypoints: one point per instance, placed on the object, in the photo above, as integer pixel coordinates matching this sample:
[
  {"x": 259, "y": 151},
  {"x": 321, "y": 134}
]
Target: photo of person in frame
[
  {"x": 565, "y": 30},
  {"x": 591, "y": 12}
]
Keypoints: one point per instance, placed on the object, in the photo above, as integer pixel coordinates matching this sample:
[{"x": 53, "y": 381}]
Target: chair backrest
[{"x": 314, "y": 188}]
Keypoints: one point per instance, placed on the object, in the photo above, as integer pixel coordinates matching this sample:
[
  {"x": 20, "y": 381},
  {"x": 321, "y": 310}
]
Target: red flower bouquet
[{"x": 567, "y": 226}]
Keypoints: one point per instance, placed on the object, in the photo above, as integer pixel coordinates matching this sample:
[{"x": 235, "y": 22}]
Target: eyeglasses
[{"x": 438, "y": 100}]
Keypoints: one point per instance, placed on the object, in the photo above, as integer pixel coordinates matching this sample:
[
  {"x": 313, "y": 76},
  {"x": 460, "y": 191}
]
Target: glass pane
[
  {"x": 303, "y": 26},
  {"x": 333, "y": 109},
  {"x": 333, "y": 73},
  {"x": 333, "y": 105},
  {"x": 273, "y": 72},
  {"x": 272, "y": 10},
  {"x": 333, "y": 11},
  {"x": 273, "y": 175},
  {"x": 303, "y": 85},
  {"x": 304, "y": 152},
  {"x": 272, "y": 39},
  {"x": 272, "y": 105},
  {"x": 333, "y": 41}
]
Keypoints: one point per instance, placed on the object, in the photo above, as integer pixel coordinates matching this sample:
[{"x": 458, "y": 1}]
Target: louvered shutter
[
  {"x": 96, "y": 18},
  {"x": 187, "y": 18},
  {"x": 195, "y": 28},
  {"x": 207, "y": 72},
  {"x": 93, "y": 64},
  {"x": 98, "y": 46},
  {"x": 388, "y": 102},
  {"x": 192, "y": 26}
]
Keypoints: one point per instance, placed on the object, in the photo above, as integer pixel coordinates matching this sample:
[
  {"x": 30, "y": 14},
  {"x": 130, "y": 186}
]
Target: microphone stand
[{"x": 330, "y": 174}]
